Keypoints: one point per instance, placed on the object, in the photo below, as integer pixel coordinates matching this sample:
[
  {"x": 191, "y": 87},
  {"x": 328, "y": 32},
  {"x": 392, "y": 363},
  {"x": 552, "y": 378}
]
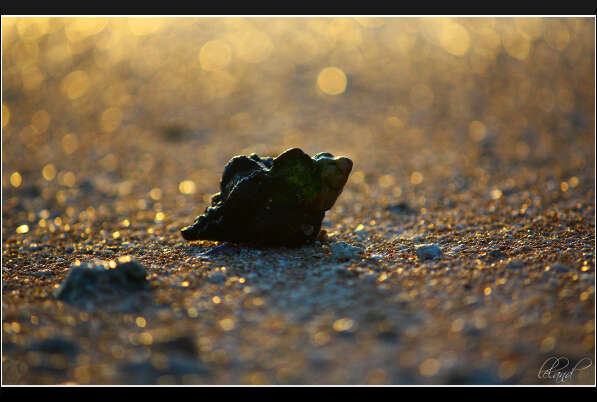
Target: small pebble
[
  {"x": 514, "y": 265},
  {"x": 216, "y": 277},
  {"x": 345, "y": 251},
  {"x": 560, "y": 268},
  {"x": 418, "y": 239},
  {"x": 429, "y": 251},
  {"x": 43, "y": 272},
  {"x": 95, "y": 278}
]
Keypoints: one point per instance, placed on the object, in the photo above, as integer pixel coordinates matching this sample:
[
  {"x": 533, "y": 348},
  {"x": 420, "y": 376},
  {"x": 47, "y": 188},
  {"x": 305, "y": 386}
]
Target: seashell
[{"x": 272, "y": 201}]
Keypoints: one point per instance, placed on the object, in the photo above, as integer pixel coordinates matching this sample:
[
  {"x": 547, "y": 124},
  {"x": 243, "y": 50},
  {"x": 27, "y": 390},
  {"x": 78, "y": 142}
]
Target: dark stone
[
  {"x": 401, "y": 208},
  {"x": 483, "y": 376},
  {"x": 8, "y": 346},
  {"x": 272, "y": 201},
  {"x": 98, "y": 278},
  {"x": 225, "y": 249},
  {"x": 183, "y": 345},
  {"x": 429, "y": 252},
  {"x": 175, "y": 132},
  {"x": 56, "y": 345},
  {"x": 86, "y": 186},
  {"x": 145, "y": 372},
  {"x": 495, "y": 255},
  {"x": 386, "y": 331},
  {"x": 560, "y": 268},
  {"x": 515, "y": 264}
]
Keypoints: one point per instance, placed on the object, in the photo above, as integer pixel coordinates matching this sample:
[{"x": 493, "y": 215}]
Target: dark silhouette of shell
[{"x": 275, "y": 201}]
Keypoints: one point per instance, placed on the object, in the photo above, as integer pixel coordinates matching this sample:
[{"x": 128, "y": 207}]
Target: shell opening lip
[{"x": 344, "y": 164}]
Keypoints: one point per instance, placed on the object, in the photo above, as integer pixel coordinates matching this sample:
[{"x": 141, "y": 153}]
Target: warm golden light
[
  {"x": 23, "y": 229},
  {"x": 143, "y": 26},
  {"x": 227, "y": 324},
  {"x": 477, "y": 130},
  {"x": 252, "y": 45},
  {"x": 75, "y": 84},
  {"x": 48, "y": 172},
  {"x": 416, "y": 178},
  {"x": 332, "y": 81},
  {"x": 5, "y": 115},
  {"x": 516, "y": 44},
  {"x": 429, "y": 367},
  {"x": 140, "y": 321},
  {"x": 16, "y": 179},
  {"x": 69, "y": 143},
  {"x": 343, "y": 324},
  {"x": 215, "y": 55},
  {"x": 111, "y": 119},
  {"x": 155, "y": 194},
  {"x": 187, "y": 187},
  {"x": 455, "y": 39},
  {"x": 41, "y": 121}
]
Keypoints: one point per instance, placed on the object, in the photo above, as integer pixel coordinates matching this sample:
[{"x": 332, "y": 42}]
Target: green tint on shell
[{"x": 276, "y": 201}]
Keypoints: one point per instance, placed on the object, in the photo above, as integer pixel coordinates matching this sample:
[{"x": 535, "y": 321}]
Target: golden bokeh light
[
  {"x": 332, "y": 81},
  {"x": 111, "y": 119},
  {"x": 477, "y": 130},
  {"x": 416, "y": 178},
  {"x": 556, "y": 35},
  {"x": 31, "y": 77},
  {"x": 343, "y": 324},
  {"x": 429, "y": 367},
  {"x": 143, "y": 26},
  {"x": 15, "y": 179},
  {"x": 488, "y": 42},
  {"x": 251, "y": 45},
  {"x": 394, "y": 123},
  {"x": 70, "y": 143},
  {"x": 531, "y": 27},
  {"x": 187, "y": 187},
  {"x": 159, "y": 217},
  {"x": 447, "y": 34},
  {"x": 517, "y": 44},
  {"x": 215, "y": 55},
  {"x": 370, "y": 22},
  {"x": 345, "y": 31},
  {"x": 75, "y": 84},
  {"x": 455, "y": 39},
  {"x": 386, "y": 180},
  {"x": 33, "y": 28},
  {"x": 23, "y": 229},
  {"x": 227, "y": 324},
  {"x": 41, "y": 121},
  {"x": 67, "y": 178},
  {"x": 5, "y": 115},
  {"x": 155, "y": 194},
  {"x": 48, "y": 172},
  {"x": 79, "y": 29}
]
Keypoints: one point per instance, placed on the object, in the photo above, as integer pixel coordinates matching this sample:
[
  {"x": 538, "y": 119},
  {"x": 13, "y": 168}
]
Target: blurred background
[{"x": 90, "y": 100}]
